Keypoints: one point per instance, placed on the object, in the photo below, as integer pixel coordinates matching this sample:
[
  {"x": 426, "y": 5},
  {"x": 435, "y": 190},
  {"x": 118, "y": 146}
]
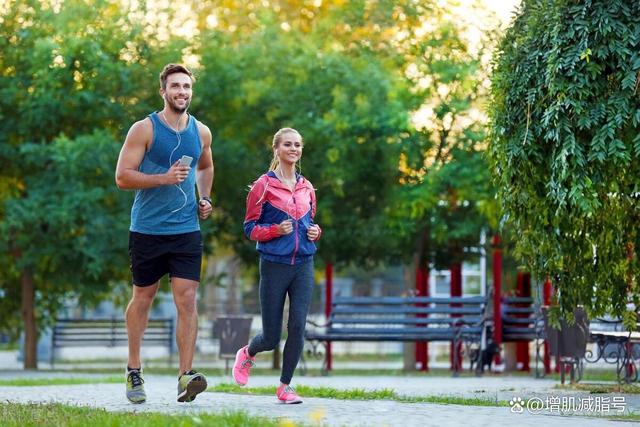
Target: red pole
[
  {"x": 522, "y": 347},
  {"x": 328, "y": 273},
  {"x": 456, "y": 291},
  {"x": 422, "y": 290},
  {"x": 546, "y": 300},
  {"x": 497, "y": 295}
]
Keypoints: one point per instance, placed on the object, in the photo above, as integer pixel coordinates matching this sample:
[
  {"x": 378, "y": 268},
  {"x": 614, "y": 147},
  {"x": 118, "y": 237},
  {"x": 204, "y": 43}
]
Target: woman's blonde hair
[{"x": 277, "y": 138}]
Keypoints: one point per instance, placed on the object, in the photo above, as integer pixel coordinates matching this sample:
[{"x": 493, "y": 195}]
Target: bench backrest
[
  {"x": 109, "y": 332},
  {"x": 406, "y": 315},
  {"x": 521, "y": 319}
]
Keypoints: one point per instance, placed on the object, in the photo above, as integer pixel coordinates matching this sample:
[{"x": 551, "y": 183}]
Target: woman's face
[{"x": 289, "y": 149}]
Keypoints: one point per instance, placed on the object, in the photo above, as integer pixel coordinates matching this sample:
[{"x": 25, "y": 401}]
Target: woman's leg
[
  {"x": 274, "y": 281},
  {"x": 300, "y": 293}
]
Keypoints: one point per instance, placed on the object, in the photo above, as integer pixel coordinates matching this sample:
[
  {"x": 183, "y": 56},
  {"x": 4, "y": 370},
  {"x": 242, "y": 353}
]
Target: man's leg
[
  {"x": 137, "y": 316},
  {"x": 184, "y": 296},
  {"x": 190, "y": 382}
]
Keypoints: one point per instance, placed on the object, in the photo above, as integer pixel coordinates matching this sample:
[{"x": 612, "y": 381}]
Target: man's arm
[
  {"x": 204, "y": 177},
  {"x": 205, "y": 171},
  {"x": 128, "y": 177}
]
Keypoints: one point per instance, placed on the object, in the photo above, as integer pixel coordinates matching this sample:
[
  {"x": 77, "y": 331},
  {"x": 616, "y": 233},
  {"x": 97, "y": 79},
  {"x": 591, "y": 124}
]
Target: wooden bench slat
[
  {"x": 375, "y": 338},
  {"x": 518, "y": 310},
  {"x": 517, "y": 300},
  {"x": 519, "y": 320},
  {"x": 402, "y": 331},
  {"x": 338, "y": 300},
  {"x": 407, "y": 310},
  {"x": 405, "y": 320}
]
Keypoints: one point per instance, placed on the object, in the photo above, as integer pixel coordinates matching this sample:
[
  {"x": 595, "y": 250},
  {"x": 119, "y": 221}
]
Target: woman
[{"x": 280, "y": 209}]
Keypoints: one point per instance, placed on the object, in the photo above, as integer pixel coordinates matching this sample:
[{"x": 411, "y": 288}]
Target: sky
[{"x": 503, "y": 8}]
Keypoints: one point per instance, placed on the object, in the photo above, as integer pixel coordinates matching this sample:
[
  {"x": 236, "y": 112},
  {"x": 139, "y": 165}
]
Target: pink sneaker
[
  {"x": 242, "y": 366},
  {"x": 287, "y": 395}
]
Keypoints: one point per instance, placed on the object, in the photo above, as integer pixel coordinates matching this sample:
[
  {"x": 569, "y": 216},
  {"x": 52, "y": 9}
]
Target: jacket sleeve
[
  {"x": 255, "y": 201},
  {"x": 313, "y": 213}
]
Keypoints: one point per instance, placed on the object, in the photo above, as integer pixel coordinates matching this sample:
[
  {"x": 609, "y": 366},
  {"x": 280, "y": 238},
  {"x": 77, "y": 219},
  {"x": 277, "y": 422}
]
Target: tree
[
  {"x": 67, "y": 69},
  {"x": 68, "y": 236},
  {"x": 445, "y": 189},
  {"x": 348, "y": 108},
  {"x": 565, "y": 145}
]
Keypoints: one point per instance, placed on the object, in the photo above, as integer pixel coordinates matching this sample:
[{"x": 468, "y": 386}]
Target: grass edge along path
[
  {"x": 600, "y": 388},
  {"x": 56, "y": 414},
  {"x": 33, "y": 382},
  {"x": 359, "y": 394}
]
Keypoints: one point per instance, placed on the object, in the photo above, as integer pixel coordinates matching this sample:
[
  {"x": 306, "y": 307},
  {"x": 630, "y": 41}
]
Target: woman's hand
[
  {"x": 313, "y": 232},
  {"x": 285, "y": 227}
]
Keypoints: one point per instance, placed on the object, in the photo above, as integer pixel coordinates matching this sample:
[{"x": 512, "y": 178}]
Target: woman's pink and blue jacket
[{"x": 268, "y": 204}]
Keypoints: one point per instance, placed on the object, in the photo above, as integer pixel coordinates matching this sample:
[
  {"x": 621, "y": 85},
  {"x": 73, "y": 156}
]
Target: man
[{"x": 165, "y": 235}]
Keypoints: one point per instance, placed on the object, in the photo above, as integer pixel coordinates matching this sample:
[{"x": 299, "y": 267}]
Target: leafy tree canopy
[{"x": 565, "y": 145}]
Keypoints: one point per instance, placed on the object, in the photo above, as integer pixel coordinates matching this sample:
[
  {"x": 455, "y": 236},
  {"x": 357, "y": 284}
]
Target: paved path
[{"x": 161, "y": 392}]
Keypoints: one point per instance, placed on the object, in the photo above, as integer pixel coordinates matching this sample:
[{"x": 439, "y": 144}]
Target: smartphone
[{"x": 186, "y": 160}]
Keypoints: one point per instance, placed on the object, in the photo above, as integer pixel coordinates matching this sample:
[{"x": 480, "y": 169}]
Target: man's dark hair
[{"x": 171, "y": 69}]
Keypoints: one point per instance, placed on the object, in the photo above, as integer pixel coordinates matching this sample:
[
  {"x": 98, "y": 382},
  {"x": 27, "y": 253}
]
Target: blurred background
[{"x": 388, "y": 95}]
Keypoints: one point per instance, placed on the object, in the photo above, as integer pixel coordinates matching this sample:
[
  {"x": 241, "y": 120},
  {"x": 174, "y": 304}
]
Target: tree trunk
[
  {"x": 421, "y": 262},
  {"x": 29, "y": 320}
]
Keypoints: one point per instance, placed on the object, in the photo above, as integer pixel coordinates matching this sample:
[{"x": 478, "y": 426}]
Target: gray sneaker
[
  {"x": 190, "y": 384},
  {"x": 135, "y": 387}
]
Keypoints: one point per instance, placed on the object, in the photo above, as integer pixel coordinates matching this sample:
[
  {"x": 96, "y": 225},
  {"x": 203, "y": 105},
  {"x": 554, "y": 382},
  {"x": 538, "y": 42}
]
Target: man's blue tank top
[{"x": 162, "y": 210}]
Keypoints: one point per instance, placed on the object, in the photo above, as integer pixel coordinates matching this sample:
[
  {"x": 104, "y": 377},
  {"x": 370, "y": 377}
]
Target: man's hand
[
  {"x": 176, "y": 174},
  {"x": 313, "y": 232},
  {"x": 204, "y": 209}
]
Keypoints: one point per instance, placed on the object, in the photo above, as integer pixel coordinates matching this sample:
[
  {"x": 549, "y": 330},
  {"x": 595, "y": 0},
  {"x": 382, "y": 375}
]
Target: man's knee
[
  {"x": 186, "y": 301},
  {"x": 143, "y": 297}
]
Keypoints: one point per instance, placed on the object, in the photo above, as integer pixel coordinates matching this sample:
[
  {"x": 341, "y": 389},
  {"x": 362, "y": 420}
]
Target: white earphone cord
[{"x": 171, "y": 160}]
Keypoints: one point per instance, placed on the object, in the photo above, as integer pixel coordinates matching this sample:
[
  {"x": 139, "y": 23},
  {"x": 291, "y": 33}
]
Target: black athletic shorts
[{"x": 153, "y": 256}]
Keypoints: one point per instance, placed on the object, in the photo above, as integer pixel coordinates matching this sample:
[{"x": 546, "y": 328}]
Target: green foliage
[
  {"x": 71, "y": 216},
  {"x": 446, "y": 199},
  {"x": 348, "y": 75},
  {"x": 348, "y": 109},
  {"x": 72, "y": 75},
  {"x": 564, "y": 146}
]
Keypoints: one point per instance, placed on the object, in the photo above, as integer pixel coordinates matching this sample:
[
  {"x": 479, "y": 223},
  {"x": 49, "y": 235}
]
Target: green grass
[
  {"x": 25, "y": 382},
  {"x": 635, "y": 416},
  {"x": 595, "y": 388},
  {"x": 594, "y": 375},
  {"x": 8, "y": 346},
  {"x": 18, "y": 415},
  {"x": 359, "y": 394}
]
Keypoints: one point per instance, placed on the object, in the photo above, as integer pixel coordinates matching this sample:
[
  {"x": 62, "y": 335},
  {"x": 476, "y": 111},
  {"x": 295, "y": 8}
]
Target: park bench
[
  {"x": 109, "y": 332},
  {"x": 615, "y": 345},
  {"x": 522, "y": 322},
  {"x": 459, "y": 320}
]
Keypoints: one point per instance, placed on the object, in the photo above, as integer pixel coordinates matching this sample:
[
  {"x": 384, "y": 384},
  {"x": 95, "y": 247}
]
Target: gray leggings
[{"x": 276, "y": 281}]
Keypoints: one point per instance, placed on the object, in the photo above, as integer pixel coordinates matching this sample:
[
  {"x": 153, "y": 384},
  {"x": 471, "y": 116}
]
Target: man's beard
[{"x": 176, "y": 109}]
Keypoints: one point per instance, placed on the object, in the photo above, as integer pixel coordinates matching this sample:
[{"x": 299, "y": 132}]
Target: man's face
[{"x": 177, "y": 95}]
